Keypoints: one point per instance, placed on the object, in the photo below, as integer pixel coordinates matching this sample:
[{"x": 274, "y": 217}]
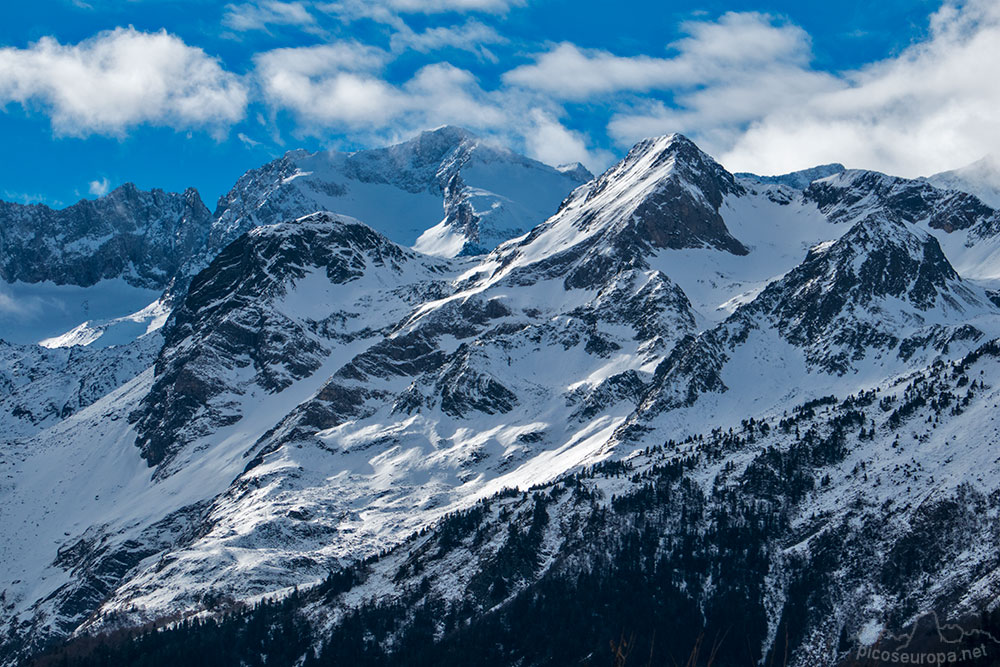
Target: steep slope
[
  {"x": 140, "y": 237},
  {"x": 323, "y": 392},
  {"x": 981, "y": 178},
  {"x": 869, "y": 306},
  {"x": 267, "y": 312},
  {"x": 447, "y": 191},
  {"x": 793, "y": 538}
]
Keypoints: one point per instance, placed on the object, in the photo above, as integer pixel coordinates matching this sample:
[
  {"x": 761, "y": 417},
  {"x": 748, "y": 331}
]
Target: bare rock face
[
  {"x": 676, "y": 215},
  {"x": 232, "y": 333},
  {"x": 902, "y": 200},
  {"x": 675, "y": 193},
  {"x": 142, "y": 237}
]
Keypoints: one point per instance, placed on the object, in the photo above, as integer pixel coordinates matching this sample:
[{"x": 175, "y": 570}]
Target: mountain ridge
[{"x": 676, "y": 361}]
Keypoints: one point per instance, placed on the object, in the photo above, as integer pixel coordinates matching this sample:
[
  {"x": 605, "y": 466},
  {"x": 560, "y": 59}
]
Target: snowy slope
[
  {"x": 33, "y": 312},
  {"x": 412, "y": 192},
  {"x": 981, "y": 178},
  {"x": 40, "y": 387},
  {"x": 866, "y": 509},
  {"x": 322, "y": 392}
]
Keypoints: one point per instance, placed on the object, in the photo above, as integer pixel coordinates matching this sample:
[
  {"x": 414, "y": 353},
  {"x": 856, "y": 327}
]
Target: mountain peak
[
  {"x": 674, "y": 145},
  {"x": 433, "y": 146},
  {"x": 452, "y": 133},
  {"x": 127, "y": 189},
  {"x": 576, "y": 170},
  {"x": 665, "y": 194},
  {"x": 139, "y": 236},
  {"x": 664, "y": 141},
  {"x": 675, "y": 191}
]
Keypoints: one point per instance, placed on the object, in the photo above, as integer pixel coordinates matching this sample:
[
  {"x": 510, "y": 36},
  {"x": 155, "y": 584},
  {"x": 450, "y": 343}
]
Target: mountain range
[{"x": 439, "y": 402}]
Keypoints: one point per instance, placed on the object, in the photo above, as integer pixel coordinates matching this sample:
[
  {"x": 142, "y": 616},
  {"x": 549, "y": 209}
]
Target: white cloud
[
  {"x": 934, "y": 107},
  {"x": 721, "y": 77},
  {"x": 387, "y": 11},
  {"x": 247, "y": 141},
  {"x": 547, "y": 140},
  {"x": 572, "y": 73},
  {"x": 119, "y": 79},
  {"x": 99, "y": 188},
  {"x": 259, "y": 15},
  {"x": 339, "y": 86},
  {"x": 328, "y": 85},
  {"x": 743, "y": 87},
  {"x": 471, "y": 36},
  {"x": 735, "y": 46}
]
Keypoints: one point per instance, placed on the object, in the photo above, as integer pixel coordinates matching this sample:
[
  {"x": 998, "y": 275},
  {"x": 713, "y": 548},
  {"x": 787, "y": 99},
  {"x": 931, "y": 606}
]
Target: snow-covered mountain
[
  {"x": 95, "y": 270},
  {"x": 680, "y": 370},
  {"x": 445, "y": 192},
  {"x": 94, "y": 274},
  {"x": 80, "y": 297},
  {"x": 798, "y": 180},
  {"x": 981, "y": 178}
]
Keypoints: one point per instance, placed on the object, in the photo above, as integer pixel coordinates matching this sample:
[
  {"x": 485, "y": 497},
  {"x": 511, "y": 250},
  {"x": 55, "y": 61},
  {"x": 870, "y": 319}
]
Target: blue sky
[{"x": 181, "y": 93}]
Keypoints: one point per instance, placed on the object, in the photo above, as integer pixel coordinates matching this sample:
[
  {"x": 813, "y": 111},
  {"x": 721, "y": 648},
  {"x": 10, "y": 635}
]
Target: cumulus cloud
[
  {"x": 735, "y": 46},
  {"x": 745, "y": 89},
  {"x": 722, "y": 76},
  {"x": 329, "y": 84},
  {"x": 934, "y": 107},
  {"x": 340, "y": 88},
  {"x": 99, "y": 187},
  {"x": 119, "y": 79},
  {"x": 259, "y": 15}
]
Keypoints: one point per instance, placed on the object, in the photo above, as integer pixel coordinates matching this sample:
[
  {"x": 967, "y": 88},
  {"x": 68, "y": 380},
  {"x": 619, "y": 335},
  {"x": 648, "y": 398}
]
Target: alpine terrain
[{"x": 439, "y": 403}]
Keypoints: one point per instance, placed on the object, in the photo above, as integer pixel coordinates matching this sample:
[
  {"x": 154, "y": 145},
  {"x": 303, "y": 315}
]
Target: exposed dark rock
[{"x": 141, "y": 237}]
